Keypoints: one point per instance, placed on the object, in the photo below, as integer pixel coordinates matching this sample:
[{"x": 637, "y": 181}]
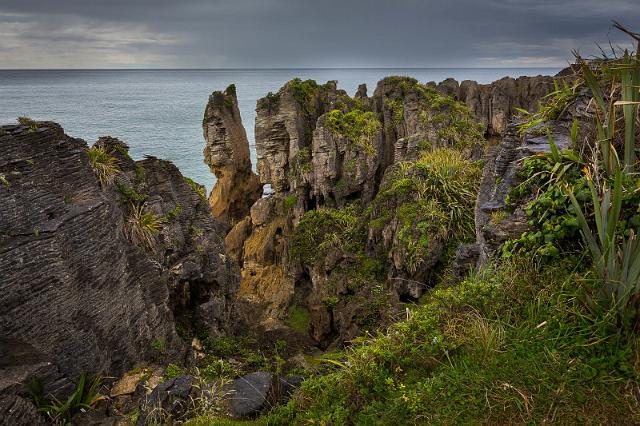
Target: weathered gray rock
[
  {"x": 494, "y": 104},
  {"x": 249, "y": 394},
  {"x": 170, "y": 400},
  {"x": 66, "y": 254}
]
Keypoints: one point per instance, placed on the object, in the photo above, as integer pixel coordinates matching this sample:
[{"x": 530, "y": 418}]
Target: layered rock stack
[
  {"x": 318, "y": 148},
  {"x": 78, "y": 293},
  {"x": 495, "y": 104},
  {"x": 227, "y": 154}
]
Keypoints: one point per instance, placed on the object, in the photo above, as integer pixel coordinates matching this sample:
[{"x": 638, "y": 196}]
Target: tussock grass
[
  {"x": 104, "y": 165},
  {"x": 143, "y": 226}
]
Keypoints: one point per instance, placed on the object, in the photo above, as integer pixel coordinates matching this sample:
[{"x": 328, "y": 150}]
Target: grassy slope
[{"x": 514, "y": 345}]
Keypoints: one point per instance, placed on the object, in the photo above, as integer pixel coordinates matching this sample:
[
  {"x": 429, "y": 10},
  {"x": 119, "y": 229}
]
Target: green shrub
[
  {"x": 172, "y": 371},
  {"x": 104, "y": 165},
  {"x": 357, "y": 126},
  {"x": 143, "y": 226},
  {"x": 31, "y": 124},
  {"x": 202, "y": 192}
]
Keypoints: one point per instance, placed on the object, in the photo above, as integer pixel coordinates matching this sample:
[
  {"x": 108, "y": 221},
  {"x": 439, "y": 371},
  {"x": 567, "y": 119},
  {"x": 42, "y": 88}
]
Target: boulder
[{"x": 249, "y": 395}]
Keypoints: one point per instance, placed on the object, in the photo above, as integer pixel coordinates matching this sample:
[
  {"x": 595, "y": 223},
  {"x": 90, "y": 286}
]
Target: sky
[{"x": 306, "y": 33}]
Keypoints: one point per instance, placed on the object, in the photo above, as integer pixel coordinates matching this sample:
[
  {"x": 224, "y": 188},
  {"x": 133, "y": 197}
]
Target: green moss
[
  {"x": 200, "y": 189},
  {"x": 3, "y": 180},
  {"x": 298, "y": 319},
  {"x": 290, "y": 202},
  {"x": 172, "y": 371},
  {"x": 128, "y": 194},
  {"x": 357, "y": 126}
]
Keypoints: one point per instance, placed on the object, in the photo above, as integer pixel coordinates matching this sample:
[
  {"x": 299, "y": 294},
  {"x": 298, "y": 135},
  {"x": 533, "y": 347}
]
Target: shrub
[
  {"x": 172, "y": 371},
  {"x": 357, "y": 126},
  {"x": 31, "y": 124},
  {"x": 143, "y": 226},
  {"x": 200, "y": 190},
  {"x": 104, "y": 165}
]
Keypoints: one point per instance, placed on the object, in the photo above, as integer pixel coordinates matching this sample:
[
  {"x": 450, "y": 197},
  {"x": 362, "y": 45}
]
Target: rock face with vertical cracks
[
  {"x": 494, "y": 104},
  {"x": 76, "y": 294},
  {"x": 227, "y": 155},
  {"x": 324, "y": 152},
  {"x": 341, "y": 237}
]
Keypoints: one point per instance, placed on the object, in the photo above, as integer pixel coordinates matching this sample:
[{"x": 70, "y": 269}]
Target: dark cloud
[{"x": 305, "y": 33}]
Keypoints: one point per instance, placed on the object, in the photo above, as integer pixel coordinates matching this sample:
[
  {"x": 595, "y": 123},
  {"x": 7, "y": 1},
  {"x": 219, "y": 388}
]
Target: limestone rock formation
[
  {"x": 227, "y": 154},
  {"x": 320, "y": 149},
  {"x": 96, "y": 272},
  {"x": 494, "y": 222},
  {"x": 494, "y": 104}
]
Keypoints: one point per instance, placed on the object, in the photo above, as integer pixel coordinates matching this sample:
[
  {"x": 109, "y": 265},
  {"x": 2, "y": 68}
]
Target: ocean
[{"x": 159, "y": 112}]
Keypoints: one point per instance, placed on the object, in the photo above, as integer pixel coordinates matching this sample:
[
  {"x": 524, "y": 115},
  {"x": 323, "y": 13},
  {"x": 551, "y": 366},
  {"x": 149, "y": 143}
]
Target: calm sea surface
[{"x": 159, "y": 112}]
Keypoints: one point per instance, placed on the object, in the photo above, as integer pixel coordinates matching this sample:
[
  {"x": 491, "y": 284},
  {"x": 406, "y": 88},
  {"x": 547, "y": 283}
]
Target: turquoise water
[{"x": 159, "y": 112}]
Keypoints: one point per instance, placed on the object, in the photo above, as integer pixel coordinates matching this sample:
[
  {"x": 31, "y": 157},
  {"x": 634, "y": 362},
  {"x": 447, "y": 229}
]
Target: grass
[
  {"x": 357, "y": 126},
  {"x": 31, "y": 124},
  {"x": 512, "y": 344},
  {"x": 431, "y": 200},
  {"x": 84, "y": 396},
  {"x": 298, "y": 319},
  {"x": 199, "y": 189},
  {"x": 143, "y": 226},
  {"x": 104, "y": 165}
]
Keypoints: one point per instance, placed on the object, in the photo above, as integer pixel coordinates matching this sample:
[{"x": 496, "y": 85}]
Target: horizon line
[{"x": 279, "y": 69}]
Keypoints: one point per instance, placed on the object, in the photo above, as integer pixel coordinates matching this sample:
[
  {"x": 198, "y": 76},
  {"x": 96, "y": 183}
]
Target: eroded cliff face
[
  {"x": 95, "y": 273},
  {"x": 495, "y": 104},
  {"x": 227, "y": 155},
  {"x": 338, "y": 165}
]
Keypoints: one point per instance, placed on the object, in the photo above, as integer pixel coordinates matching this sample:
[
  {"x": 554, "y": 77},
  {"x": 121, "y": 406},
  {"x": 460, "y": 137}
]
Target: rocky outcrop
[
  {"x": 227, "y": 155},
  {"x": 320, "y": 149},
  {"x": 495, "y": 221},
  {"x": 96, "y": 272},
  {"x": 494, "y": 104}
]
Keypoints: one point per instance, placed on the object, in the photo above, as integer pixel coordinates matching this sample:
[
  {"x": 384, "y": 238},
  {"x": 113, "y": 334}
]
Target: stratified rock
[
  {"x": 227, "y": 154},
  {"x": 495, "y": 104},
  {"x": 465, "y": 260},
  {"x": 67, "y": 253},
  {"x": 495, "y": 223}
]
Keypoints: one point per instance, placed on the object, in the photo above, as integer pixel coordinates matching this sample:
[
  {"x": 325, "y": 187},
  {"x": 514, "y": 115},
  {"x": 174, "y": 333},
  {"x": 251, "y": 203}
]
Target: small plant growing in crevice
[
  {"x": 104, "y": 165},
  {"x": 84, "y": 396},
  {"x": 31, "y": 124},
  {"x": 202, "y": 192},
  {"x": 143, "y": 226}
]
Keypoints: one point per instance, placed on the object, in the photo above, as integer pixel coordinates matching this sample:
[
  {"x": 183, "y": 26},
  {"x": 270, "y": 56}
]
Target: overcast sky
[{"x": 305, "y": 33}]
